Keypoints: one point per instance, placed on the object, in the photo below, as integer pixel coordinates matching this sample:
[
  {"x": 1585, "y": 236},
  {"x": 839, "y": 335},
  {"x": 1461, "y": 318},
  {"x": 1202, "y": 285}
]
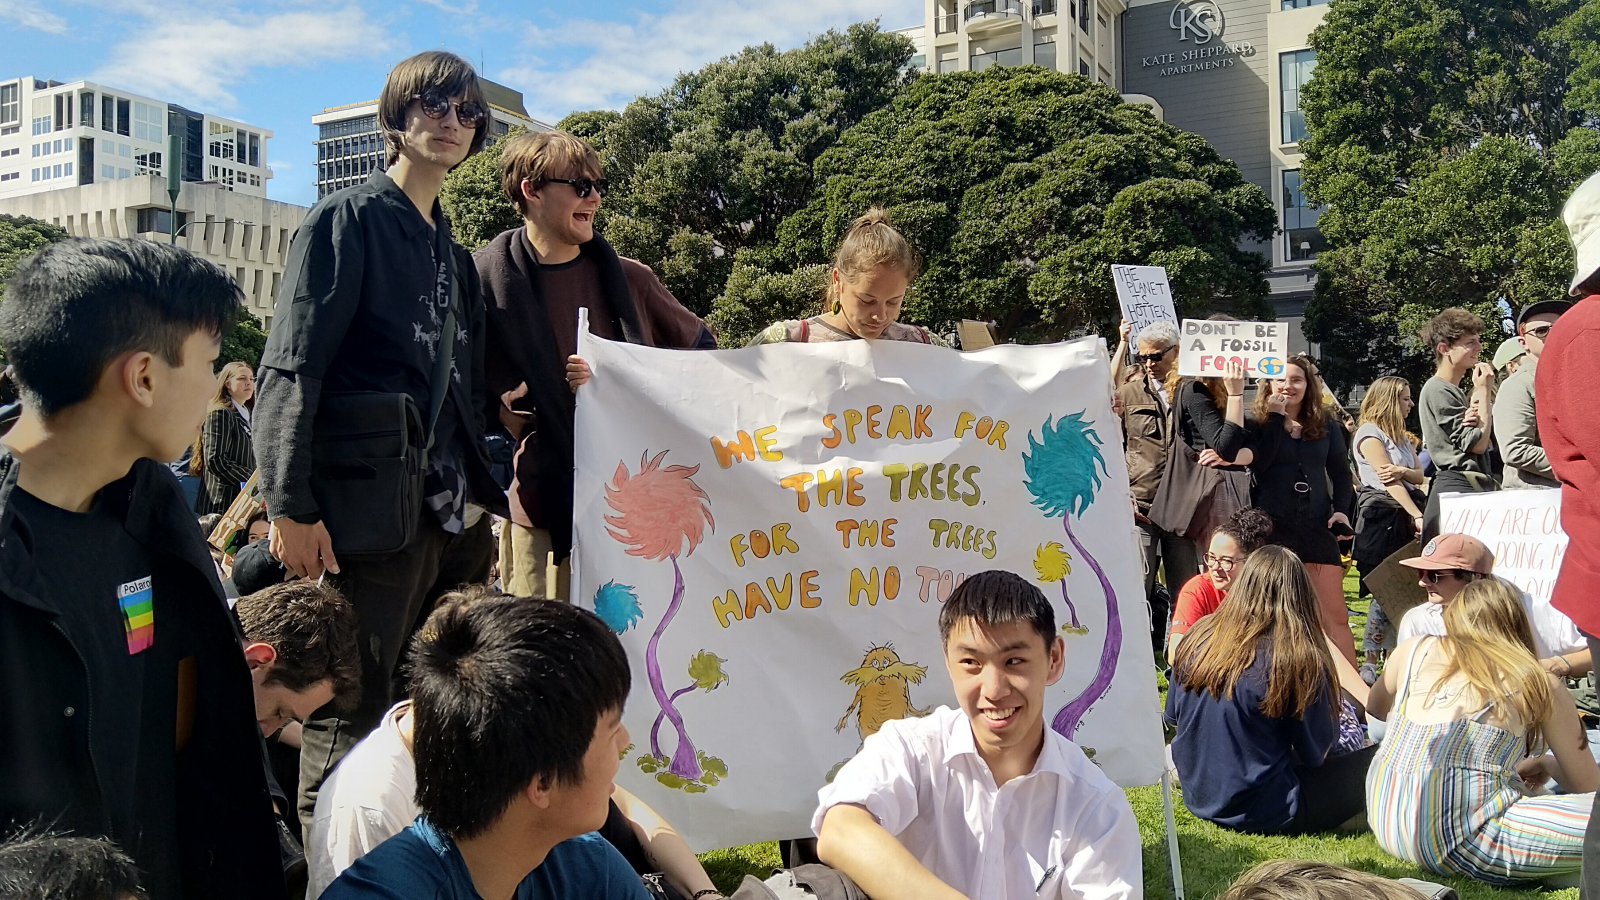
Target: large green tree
[
  {"x": 20, "y": 236},
  {"x": 1021, "y": 187},
  {"x": 1444, "y": 137},
  {"x": 712, "y": 165}
]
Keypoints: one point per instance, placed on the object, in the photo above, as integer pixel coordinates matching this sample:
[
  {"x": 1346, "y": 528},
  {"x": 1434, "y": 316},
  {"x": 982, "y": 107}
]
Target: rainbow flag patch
[{"x": 137, "y": 600}]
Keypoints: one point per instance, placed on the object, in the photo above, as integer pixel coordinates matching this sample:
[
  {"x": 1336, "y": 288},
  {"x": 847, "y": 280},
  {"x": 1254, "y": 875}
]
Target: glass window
[
  {"x": 10, "y": 103},
  {"x": 255, "y": 149},
  {"x": 147, "y": 122},
  {"x": 57, "y": 171},
  {"x": 123, "y": 173},
  {"x": 1294, "y": 70},
  {"x": 1301, "y": 4},
  {"x": 1045, "y": 55},
  {"x": 1011, "y": 56},
  {"x": 66, "y": 169},
  {"x": 1302, "y": 238},
  {"x": 1083, "y": 68},
  {"x": 124, "y": 150},
  {"x": 86, "y": 109},
  {"x": 108, "y": 113},
  {"x": 108, "y": 172},
  {"x": 41, "y": 125},
  {"x": 124, "y": 113}
]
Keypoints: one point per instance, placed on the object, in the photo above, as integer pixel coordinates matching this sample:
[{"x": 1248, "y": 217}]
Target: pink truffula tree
[{"x": 662, "y": 514}]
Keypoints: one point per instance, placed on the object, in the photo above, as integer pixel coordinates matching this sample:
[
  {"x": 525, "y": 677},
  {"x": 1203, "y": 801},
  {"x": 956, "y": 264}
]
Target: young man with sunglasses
[
  {"x": 1447, "y": 565},
  {"x": 372, "y": 278},
  {"x": 1147, "y": 438},
  {"x": 1516, "y": 425},
  {"x": 535, "y": 279}
]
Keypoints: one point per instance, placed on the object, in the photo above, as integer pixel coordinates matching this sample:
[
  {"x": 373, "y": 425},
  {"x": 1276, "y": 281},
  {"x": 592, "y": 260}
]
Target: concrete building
[
  {"x": 1079, "y": 36},
  {"x": 350, "y": 147},
  {"x": 1228, "y": 70},
  {"x": 248, "y": 236},
  {"x": 55, "y": 135}
]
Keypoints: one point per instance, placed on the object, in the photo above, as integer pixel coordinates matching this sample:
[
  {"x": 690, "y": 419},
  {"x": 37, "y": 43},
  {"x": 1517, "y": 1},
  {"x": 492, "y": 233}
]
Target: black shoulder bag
[{"x": 369, "y": 454}]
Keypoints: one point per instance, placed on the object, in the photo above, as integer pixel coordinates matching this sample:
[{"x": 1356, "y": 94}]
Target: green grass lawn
[{"x": 1212, "y": 856}]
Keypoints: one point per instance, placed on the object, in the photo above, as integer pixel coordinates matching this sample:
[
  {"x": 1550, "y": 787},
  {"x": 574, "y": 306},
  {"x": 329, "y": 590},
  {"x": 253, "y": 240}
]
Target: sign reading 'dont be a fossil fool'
[
  {"x": 1205, "y": 347},
  {"x": 1199, "y": 24}
]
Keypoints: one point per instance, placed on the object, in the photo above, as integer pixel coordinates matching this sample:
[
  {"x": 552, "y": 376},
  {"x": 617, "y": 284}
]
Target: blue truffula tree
[{"x": 1063, "y": 467}]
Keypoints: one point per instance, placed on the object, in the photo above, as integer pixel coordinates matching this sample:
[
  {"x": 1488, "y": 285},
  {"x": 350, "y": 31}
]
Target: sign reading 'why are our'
[{"x": 1206, "y": 347}]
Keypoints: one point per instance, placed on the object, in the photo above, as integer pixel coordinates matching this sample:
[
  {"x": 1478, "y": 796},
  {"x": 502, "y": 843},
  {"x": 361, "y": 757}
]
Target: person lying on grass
[{"x": 984, "y": 801}]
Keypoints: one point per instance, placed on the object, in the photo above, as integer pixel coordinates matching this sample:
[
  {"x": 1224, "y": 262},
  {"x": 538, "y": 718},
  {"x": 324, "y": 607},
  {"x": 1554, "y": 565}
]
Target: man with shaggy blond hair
[{"x": 535, "y": 279}]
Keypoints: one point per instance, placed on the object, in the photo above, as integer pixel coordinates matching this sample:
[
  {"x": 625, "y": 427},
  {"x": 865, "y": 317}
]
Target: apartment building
[{"x": 55, "y": 135}]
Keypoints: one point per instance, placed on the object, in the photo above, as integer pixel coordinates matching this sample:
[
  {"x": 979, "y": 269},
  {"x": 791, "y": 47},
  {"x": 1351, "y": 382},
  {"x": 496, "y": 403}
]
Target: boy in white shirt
[{"x": 985, "y": 802}]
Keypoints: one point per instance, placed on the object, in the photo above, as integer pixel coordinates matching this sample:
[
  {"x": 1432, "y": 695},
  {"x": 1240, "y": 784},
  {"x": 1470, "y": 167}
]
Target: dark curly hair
[
  {"x": 1249, "y": 528},
  {"x": 313, "y": 629}
]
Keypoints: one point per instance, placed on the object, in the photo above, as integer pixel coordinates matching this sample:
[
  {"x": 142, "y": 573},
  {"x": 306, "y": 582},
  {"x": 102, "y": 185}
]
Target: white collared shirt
[
  {"x": 1552, "y": 632},
  {"x": 244, "y": 413},
  {"x": 368, "y": 799},
  {"x": 1063, "y": 830}
]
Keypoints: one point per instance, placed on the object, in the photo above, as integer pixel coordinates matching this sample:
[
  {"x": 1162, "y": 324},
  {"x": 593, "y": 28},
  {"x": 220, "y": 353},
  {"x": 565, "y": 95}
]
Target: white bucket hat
[{"x": 1582, "y": 217}]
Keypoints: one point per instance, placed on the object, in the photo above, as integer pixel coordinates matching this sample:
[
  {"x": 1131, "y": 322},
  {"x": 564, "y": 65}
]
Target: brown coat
[{"x": 1146, "y": 438}]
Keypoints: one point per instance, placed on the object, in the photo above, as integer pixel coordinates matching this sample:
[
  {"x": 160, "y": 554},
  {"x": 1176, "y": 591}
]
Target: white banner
[
  {"x": 772, "y": 530},
  {"x": 1145, "y": 296},
  {"x": 1206, "y": 347},
  {"x": 1522, "y": 528}
]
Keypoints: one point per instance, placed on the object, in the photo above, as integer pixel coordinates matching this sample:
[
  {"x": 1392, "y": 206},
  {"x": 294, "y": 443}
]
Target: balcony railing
[
  {"x": 992, "y": 9},
  {"x": 1042, "y": 7},
  {"x": 945, "y": 24}
]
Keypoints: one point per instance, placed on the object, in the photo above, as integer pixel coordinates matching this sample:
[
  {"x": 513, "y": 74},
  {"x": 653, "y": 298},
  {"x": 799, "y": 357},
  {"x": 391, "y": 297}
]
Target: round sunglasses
[{"x": 435, "y": 104}]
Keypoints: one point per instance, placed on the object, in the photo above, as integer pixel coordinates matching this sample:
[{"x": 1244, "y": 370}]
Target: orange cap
[{"x": 1454, "y": 551}]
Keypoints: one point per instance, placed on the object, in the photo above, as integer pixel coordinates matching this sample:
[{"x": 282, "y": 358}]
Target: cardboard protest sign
[
  {"x": 1522, "y": 528},
  {"x": 772, "y": 532},
  {"x": 1396, "y": 588},
  {"x": 1206, "y": 347},
  {"x": 1145, "y": 295}
]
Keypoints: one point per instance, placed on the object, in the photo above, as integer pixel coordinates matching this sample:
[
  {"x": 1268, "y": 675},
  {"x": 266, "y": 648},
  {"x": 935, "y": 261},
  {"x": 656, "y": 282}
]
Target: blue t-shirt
[
  {"x": 422, "y": 863},
  {"x": 1235, "y": 762}
]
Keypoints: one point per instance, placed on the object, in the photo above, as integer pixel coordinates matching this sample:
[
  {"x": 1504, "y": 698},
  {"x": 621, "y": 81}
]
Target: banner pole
[{"x": 1172, "y": 836}]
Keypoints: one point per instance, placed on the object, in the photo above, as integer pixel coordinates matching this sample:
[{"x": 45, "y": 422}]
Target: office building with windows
[
  {"x": 350, "y": 146},
  {"x": 55, "y": 135},
  {"x": 1228, "y": 70},
  {"x": 246, "y": 234}
]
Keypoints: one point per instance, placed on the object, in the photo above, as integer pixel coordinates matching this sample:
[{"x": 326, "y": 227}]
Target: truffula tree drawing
[
  {"x": 660, "y": 514},
  {"x": 1063, "y": 467},
  {"x": 1054, "y": 563}
]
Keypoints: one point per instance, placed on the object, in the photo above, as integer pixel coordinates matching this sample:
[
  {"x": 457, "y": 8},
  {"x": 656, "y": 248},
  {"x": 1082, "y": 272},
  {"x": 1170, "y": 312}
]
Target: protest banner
[
  {"x": 772, "y": 532},
  {"x": 1145, "y": 295},
  {"x": 1206, "y": 347},
  {"x": 1522, "y": 528}
]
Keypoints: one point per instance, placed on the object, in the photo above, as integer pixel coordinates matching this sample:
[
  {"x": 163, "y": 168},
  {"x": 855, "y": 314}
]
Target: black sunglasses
[
  {"x": 1152, "y": 357},
  {"x": 435, "y": 105},
  {"x": 585, "y": 186},
  {"x": 1432, "y": 576},
  {"x": 1538, "y": 331}
]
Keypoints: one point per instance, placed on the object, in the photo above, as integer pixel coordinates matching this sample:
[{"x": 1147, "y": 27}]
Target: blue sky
[{"x": 276, "y": 63}]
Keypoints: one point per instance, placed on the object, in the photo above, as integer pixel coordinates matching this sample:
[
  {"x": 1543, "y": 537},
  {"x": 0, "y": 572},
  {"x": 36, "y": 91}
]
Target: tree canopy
[
  {"x": 1021, "y": 187},
  {"x": 20, "y": 236},
  {"x": 1444, "y": 137}
]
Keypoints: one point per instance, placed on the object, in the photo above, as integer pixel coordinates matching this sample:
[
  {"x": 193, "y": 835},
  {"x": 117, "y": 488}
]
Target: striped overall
[{"x": 1447, "y": 798}]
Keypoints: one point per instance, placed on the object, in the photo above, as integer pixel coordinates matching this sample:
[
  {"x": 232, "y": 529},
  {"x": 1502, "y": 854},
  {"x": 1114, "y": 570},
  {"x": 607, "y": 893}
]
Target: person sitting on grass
[
  {"x": 986, "y": 800},
  {"x": 58, "y": 867},
  {"x": 1299, "y": 879},
  {"x": 372, "y": 796},
  {"x": 1447, "y": 565},
  {"x": 1234, "y": 540},
  {"x": 1254, "y": 697},
  {"x": 518, "y": 735},
  {"x": 300, "y": 644},
  {"x": 1469, "y": 717}
]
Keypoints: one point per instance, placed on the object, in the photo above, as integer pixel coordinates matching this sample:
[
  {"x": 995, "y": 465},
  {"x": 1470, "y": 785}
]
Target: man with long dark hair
[{"x": 373, "y": 276}]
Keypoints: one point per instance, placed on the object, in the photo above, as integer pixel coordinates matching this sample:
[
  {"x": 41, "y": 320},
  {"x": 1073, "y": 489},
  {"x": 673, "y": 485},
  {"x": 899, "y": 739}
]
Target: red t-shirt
[{"x": 1199, "y": 597}]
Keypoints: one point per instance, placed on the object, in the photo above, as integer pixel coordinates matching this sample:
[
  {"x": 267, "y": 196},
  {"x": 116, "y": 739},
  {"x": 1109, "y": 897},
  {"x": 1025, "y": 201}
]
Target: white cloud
[
  {"x": 606, "y": 64},
  {"x": 198, "y": 58},
  {"x": 29, "y": 15}
]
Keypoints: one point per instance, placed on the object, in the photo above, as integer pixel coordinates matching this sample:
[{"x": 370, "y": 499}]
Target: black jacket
[
  {"x": 347, "y": 319},
  {"x": 226, "y": 459},
  {"x": 213, "y": 794}
]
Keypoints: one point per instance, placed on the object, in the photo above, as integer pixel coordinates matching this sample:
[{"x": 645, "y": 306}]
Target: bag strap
[{"x": 443, "y": 359}]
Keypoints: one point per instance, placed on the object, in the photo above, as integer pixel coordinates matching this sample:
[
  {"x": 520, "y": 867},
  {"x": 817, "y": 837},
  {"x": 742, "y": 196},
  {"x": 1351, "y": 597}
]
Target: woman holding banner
[
  {"x": 1299, "y": 455},
  {"x": 871, "y": 271}
]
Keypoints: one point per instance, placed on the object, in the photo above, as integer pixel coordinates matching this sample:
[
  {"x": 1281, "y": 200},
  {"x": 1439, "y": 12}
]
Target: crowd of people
[{"x": 419, "y": 733}]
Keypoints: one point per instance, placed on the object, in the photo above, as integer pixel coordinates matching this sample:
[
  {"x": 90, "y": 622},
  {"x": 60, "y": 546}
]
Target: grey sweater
[
  {"x": 1517, "y": 430},
  {"x": 1442, "y": 407}
]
